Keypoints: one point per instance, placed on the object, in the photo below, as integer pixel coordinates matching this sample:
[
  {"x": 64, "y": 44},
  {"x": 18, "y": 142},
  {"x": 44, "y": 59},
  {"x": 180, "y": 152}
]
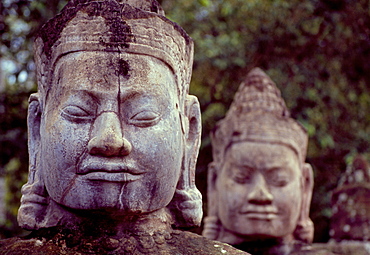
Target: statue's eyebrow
[
  {"x": 276, "y": 168},
  {"x": 92, "y": 95},
  {"x": 130, "y": 93},
  {"x": 267, "y": 168},
  {"x": 243, "y": 166},
  {"x": 137, "y": 91}
]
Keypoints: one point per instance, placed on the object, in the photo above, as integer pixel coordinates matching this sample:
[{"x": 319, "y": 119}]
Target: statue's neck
[
  {"x": 260, "y": 245},
  {"x": 97, "y": 233},
  {"x": 100, "y": 223}
]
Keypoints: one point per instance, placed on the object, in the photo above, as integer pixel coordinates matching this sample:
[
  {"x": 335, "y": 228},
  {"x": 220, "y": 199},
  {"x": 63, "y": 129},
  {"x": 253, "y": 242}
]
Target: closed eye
[
  {"x": 145, "y": 119},
  {"x": 278, "y": 177},
  {"x": 242, "y": 175},
  {"x": 76, "y": 113}
]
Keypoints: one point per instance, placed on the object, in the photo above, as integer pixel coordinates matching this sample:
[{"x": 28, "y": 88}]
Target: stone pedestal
[{"x": 53, "y": 242}]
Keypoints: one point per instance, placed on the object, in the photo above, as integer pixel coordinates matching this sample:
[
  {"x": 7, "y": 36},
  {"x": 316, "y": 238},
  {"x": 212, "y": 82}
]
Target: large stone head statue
[
  {"x": 259, "y": 186},
  {"x": 112, "y": 129}
]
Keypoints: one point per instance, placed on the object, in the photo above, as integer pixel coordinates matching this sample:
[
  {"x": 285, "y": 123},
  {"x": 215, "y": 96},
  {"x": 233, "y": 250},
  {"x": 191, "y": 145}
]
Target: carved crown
[
  {"x": 258, "y": 113},
  {"x": 131, "y": 26}
]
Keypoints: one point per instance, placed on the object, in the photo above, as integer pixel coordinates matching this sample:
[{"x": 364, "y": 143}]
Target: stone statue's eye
[
  {"x": 145, "y": 119},
  {"x": 242, "y": 177},
  {"x": 280, "y": 182},
  {"x": 75, "y": 113},
  {"x": 278, "y": 178}
]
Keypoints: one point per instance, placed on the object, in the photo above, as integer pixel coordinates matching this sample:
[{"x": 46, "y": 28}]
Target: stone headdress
[
  {"x": 122, "y": 26},
  {"x": 131, "y": 26},
  {"x": 257, "y": 114}
]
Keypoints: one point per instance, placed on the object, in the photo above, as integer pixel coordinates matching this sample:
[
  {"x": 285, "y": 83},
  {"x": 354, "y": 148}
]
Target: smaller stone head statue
[
  {"x": 259, "y": 186},
  {"x": 350, "y": 218},
  {"x": 113, "y": 132}
]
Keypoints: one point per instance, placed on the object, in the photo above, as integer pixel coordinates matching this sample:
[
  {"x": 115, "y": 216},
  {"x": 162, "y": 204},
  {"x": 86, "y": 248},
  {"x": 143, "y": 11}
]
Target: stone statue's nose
[
  {"x": 107, "y": 137},
  {"x": 260, "y": 193}
]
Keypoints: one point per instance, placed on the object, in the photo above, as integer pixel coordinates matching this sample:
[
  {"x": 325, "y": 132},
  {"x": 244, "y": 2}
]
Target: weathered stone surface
[
  {"x": 109, "y": 128},
  {"x": 113, "y": 136},
  {"x": 166, "y": 243},
  {"x": 259, "y": 185},
  {"x": 292, "y": 248},
  {"x": 351, "y": 204},
  {"x": 345, "y": 247}
]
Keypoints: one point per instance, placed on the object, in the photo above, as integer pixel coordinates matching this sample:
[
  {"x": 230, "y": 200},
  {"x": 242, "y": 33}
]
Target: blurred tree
[
  {"x": 316, "y": 51},
  {"x": 19, "y": 21}
]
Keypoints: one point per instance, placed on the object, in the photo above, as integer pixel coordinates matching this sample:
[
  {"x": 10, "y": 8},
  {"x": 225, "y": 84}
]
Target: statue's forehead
[
  {"x": 106, "y": 76},
  {"x": 262, "y": 155},
  {"x": 120, "y": 63},
  {"x": 113, "y": 67}
]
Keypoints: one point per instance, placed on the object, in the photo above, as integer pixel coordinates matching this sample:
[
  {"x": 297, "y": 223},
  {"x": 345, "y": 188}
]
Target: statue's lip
[
  {"x": 110, "y": 171},
  {"x": 260, "y": 212},
  {"x": 112, "y": 177},
  {"x": 260, "y": 215}
]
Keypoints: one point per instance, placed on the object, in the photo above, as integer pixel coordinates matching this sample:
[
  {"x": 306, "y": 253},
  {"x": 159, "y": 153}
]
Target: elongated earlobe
[
  {"x": 211, "y": 222},
  {"x": 186, "y": 206},
  {"x": 34, "y": 196},
  {"x": 305, "y": 228}
]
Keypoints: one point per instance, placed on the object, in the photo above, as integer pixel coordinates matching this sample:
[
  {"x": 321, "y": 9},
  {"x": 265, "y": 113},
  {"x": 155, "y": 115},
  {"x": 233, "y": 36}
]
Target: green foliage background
[{"x": 317, "y": 52}]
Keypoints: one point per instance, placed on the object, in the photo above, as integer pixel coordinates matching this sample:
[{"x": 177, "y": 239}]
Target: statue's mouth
[
  {"x": 261, "y": 215},
  {"x": 260, "y": 212},
  {"x": 112, "y": 177},
  {"x": 109, "y": 171}
]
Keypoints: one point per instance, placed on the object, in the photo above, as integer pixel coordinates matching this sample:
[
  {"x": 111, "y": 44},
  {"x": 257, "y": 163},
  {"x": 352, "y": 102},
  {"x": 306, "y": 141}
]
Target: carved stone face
[
  {"x": 259, "y": 191},
  {"x": 111, "y": 137}
]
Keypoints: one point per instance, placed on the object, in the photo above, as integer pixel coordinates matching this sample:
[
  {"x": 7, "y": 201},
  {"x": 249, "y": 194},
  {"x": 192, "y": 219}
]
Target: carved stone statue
[
  {"x": 113, "y": 136},
  {"x": 259, "y": 186},
  {"x": 350, "y": 218}
]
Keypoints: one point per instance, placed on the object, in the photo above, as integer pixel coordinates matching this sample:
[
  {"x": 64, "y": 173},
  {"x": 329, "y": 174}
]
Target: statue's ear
[
  {"x": 186, "y": 206},
  {"x": 34, "y": 197},
  {"x": 212, "y": 193},
  {"x": 193, "y": 135},
  {"x": 305, "y": 228},
  {"x": 307, "y": 187},
  {"x": 211, "y": 222},
  {"x": 191, "y": 126},
  {"x": 34, "y": 122},
  {"x": 212, "y": 177}
]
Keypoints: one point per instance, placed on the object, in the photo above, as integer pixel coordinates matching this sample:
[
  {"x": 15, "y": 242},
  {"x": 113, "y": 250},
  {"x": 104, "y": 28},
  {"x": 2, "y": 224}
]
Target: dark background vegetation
[{"x": 317, "y": 51}]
